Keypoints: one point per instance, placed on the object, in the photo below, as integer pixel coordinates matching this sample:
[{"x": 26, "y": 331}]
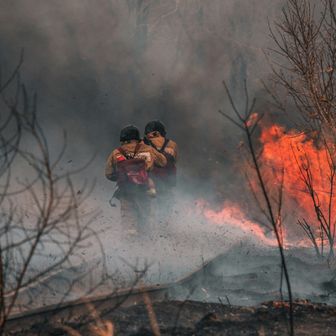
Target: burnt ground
[
  {"x": 189, "y": 318},
  {"x": 223, "y": 298}
]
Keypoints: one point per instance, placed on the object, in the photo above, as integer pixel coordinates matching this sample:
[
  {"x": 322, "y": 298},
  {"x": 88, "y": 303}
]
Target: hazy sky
[{"x": 98, "y": 65}]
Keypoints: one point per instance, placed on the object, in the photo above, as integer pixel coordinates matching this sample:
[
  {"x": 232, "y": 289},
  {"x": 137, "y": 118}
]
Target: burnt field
[
  {"x": 188, "y": 318},
  {"x": 244, "y": 243},
  {"x": 236, "y": 293}
]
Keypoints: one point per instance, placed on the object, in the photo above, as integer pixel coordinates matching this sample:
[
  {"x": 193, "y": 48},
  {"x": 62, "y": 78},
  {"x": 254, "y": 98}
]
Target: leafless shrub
[
  {"x": 322, "y": 201},
  {"x": 304, "y": 60},
  {"x": 268, "y": 200},
  {"x": 304, "y": 64},
  {"x": 44, "y": 227}
]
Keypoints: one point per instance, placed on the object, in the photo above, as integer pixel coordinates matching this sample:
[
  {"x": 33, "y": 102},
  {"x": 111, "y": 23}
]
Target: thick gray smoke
[{"x": 99, "y": 65}]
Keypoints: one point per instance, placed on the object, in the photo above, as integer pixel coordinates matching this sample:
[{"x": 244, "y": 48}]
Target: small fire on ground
[{"x": 232, "y": 215}]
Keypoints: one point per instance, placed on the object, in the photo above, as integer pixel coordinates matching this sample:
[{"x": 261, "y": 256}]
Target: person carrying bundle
[{"x": 129, "y": 165}]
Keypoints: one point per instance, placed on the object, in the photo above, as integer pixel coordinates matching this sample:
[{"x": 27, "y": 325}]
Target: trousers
[{"x": 135, "y": 208}]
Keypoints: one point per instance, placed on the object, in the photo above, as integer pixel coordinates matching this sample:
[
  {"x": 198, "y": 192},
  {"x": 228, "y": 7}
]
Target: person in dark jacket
[{"x": 164, "y": 177}]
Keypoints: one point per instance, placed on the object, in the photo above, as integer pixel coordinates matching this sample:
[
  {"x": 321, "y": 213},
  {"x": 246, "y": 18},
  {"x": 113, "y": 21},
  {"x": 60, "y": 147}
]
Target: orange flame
[
  {"x": 288, "y": 158},
  {"x": 232, "y": 215},
  {"x": 300, "y": 158}
]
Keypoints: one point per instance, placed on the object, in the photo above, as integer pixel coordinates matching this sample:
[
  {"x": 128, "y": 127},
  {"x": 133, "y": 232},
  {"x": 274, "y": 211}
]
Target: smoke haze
[{"x": 99, "y": 65}]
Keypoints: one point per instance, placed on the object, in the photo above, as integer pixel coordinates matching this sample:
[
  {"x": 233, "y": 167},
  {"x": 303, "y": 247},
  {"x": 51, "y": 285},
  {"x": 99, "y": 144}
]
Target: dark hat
[
  {"x": 129, "y": 133},
  {"x": 155, "y": 126}
]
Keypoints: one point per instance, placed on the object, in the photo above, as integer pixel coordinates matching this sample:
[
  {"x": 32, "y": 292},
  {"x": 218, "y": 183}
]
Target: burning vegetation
[
  {"x": 303, "y": 166},
  {"x": 290, "y": 173},
  {"x": 309, "y": 181}
]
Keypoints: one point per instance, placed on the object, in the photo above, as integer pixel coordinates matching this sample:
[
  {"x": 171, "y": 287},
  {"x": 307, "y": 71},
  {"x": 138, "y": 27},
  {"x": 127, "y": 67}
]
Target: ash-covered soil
[
  {"x": 191, "y": 318},
  {"x": 223, "y": 297},
  {"x": 244, "y": 275},
  {"x": 248, "y": 275}
]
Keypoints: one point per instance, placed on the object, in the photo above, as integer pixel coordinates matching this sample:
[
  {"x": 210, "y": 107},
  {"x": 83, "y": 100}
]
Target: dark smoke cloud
[{"x": 98, "y": 65}]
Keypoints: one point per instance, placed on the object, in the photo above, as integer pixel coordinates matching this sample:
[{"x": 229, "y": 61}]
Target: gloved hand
[{"x": 170, "y": 158}]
